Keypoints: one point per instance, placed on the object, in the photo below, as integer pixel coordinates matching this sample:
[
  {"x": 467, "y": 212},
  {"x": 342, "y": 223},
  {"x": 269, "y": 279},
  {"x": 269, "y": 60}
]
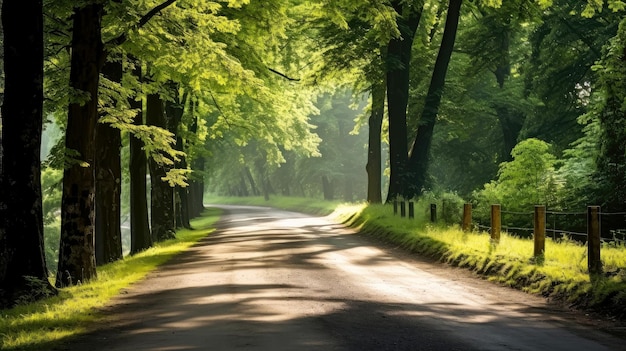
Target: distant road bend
[{"x": 277, "y": 280}]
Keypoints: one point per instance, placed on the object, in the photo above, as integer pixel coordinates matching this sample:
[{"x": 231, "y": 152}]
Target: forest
[{"x": 123, "y": 114}]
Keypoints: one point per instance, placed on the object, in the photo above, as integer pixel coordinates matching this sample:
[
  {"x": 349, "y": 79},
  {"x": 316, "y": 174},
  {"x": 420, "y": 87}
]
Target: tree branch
[
  {"x": 142, "y": 22},
  {"x": 284, "y": 75}
]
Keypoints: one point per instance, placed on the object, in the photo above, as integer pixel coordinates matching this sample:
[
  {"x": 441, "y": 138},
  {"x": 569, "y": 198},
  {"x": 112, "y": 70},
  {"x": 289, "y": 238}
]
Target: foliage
[{"x": 529, "y": 179}]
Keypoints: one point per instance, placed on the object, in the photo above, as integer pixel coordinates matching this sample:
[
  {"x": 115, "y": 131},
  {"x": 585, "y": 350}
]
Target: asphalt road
[{"x": 276, "y": 280}]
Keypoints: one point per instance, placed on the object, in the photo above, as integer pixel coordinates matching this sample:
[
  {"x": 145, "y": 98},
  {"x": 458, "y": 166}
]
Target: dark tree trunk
[
  {"x": 76, "y": 252},
  {"x": 162, "y": 195},
  {"x": 140, "y": 238},
  {"x": 327, "y": 188},
  {"x": 108, "y": 173},
  {"x": 374, "y": 154},
  {"x": 242, "y": 185},
  {"x": 21, "y": 218},
  {"x": 420, "y": 151},
  {"x": 253, "y": 187},
  {"x": 511, "y": 123},
  {"x": 398, "y": 71},
  {"x": 174, "y": 112},
  {"x": 197, "y": 186}
]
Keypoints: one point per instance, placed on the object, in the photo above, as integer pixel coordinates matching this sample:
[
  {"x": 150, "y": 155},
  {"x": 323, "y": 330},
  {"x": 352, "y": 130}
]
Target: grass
[
  {"x": 560, "y": 274},
  {"x": 41, "y": 325},
  {"x": 299, "y": 204}
]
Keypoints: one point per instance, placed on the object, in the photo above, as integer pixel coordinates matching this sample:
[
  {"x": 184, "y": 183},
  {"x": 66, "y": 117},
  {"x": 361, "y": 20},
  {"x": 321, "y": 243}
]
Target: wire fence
[{"x": 562, "y": 225}]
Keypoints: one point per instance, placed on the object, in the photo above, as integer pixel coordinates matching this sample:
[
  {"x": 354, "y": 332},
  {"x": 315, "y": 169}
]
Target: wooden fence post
[
  {"x": 540, "y": 230},
  {"x": 593, "y": 240},
  {"x": 496, "y": 223},
  {"x": 433, "y": 213},
  {"x": 403, "y": 208},
  {"x": 411, "y": 209},
  {"x": 395, "y": 207},
  {"x": 467, "y": 217}
]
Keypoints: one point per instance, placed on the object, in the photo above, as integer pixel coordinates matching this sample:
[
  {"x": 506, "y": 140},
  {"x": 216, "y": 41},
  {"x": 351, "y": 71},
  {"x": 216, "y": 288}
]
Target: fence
[
  {"x": 592, "y": 236},
  {"x": 543, "y": 222}
]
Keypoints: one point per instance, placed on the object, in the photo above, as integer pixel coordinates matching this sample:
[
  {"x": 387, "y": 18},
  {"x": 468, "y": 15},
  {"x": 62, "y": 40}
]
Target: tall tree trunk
[
  {"x": 76, "y": 252},
  {"x": 196, "y": 186},
  {"x": 327, "y": 188},
  {"x": 140, "y": 238},
  {"x": 398, "y": 72},
  {"x": 374, "y": 153},
  {"x": 161, "y": 195},
  {"x": 108, "y": 173},
  {"x": 174, "y": 113},
  {"x": 255, "y": 190},
  {"x": 21, "y": 218},
  {"x": 420, "y": 151},
  {"x": 511, "y": 123}
]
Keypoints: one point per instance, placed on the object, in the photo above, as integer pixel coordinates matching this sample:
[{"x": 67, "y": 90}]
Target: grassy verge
[
  {"x": 561, "y": 274},
  {"x": 299, "y": 204},
  {"x": 41, "y": 325}
]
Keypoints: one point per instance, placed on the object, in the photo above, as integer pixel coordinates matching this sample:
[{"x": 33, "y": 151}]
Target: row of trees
[
  {"x": 187, "y": 85},
  {"x": 173, "y": 76}
]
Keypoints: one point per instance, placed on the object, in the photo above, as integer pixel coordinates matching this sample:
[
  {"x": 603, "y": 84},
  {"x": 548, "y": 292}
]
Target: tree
[
  {"x": 163, "y": 223},
  {"x": 398, "y": 72},
  {"x": 108, "y": 176},
  {"x": 76, "y": 252},
  {"x": 141, "y": 237},
  {"x": 23, "y": 272},
  {"x": 420, "y": 150}
]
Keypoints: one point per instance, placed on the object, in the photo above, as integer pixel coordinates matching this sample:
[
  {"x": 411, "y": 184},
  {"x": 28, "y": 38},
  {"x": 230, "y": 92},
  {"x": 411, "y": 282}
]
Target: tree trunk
[
  {"x": 420, "y": 151},
  {"x": 253, "y": 187},
  {"x": 21, "y": 218},
  {"x": 108, "y": 173},
  {"x": 327, "y": 188},
  {"x": 511, "y": 123},
  {"x": 174, "y": 113},
  {"x": 76, "y": 252},
  {"x": 140, "y": 238},
  {"x": 398, "y": 72},
  {"x": 162, "y": 195},
  {"x": 374, "y": 154},
  {"x": 197, "y": 186}
]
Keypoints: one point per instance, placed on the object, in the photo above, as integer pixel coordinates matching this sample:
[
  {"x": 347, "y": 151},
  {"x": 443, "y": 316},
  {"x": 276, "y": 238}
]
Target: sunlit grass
[
  {"x": 40, "y": 325},
  {"x": 301, "y": 204}
]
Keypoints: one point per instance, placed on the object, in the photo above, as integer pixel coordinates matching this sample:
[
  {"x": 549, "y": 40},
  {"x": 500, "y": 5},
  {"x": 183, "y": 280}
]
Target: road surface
[{"x": 276, "y": 280}]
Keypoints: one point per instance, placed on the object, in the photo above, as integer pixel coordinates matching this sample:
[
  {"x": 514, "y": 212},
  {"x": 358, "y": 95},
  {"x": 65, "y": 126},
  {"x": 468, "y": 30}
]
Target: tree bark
[
  {"x": 398, "y": 71},
  {"x": 174, "y": 112},
  {"x": 162, "y": 195},
  {"x": 140, "y": 238},
  {"x": 76, "y": 252},
  {"x": 420, "y": 151},
  {"x": 21, "y": 218},
  {"x": 108, "y": 173},
  {"x": 374, "y": 153},
  {"x": 196, "y": 186}
]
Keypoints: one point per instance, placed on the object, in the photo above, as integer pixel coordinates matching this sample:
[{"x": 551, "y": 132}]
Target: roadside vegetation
[
  {"x": 45, "y": 323},
  {"x": 560, "y": 275}
]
